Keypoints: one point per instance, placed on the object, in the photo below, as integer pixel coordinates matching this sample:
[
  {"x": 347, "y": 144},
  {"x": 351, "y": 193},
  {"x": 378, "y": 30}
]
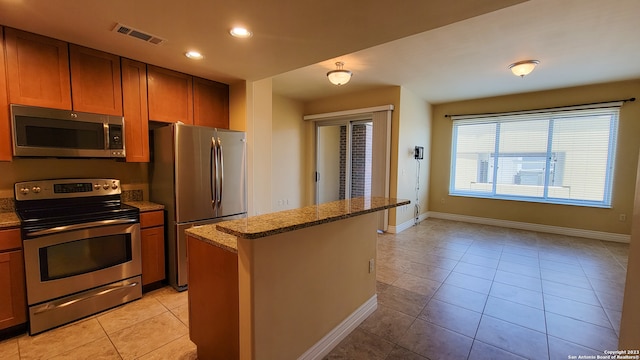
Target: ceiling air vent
[{"x": 128, "y": 30}]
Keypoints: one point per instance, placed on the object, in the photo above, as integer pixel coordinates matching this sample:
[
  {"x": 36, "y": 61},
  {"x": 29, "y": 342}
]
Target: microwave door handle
[
  {"x": 221, "y": 157},
  {"x": 213, "y": 172},
  {"x": 106, "y": 136}
]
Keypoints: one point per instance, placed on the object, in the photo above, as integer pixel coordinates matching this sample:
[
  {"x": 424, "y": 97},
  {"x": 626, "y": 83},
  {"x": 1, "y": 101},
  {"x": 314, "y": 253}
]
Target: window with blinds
[{"x": 564, "y": 156}]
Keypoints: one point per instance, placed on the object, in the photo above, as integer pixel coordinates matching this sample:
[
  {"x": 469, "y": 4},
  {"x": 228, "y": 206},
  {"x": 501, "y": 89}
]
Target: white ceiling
[
  {"x": 442, "y": 50},
  {"x": 578, "y": 42}
]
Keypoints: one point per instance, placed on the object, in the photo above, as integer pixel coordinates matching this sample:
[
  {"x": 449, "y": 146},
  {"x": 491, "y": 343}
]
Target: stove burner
[{"x": 48, "y": 204}]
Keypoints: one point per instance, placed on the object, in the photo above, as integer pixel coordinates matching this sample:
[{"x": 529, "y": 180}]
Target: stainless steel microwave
[{"x": 43, "y": 132}]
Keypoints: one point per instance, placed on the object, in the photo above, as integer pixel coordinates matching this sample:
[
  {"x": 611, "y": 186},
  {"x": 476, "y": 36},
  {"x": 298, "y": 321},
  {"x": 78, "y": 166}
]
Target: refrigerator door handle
[
  {"x": 221, "y": 178},
  {"x": 213, "y": 172}
]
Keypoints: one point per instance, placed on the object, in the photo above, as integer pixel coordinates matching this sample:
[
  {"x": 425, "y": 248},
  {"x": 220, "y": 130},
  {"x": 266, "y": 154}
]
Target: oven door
[{"x": 64, "y": 263}]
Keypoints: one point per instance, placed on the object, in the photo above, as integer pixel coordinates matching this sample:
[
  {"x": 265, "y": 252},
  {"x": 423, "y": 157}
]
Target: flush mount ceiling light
[
  {"x": 193, "y": 55},
  {"x": 339, "y": 76},
  {"x": 240, "y": 32},
  {"x": 522, "y": 68}
]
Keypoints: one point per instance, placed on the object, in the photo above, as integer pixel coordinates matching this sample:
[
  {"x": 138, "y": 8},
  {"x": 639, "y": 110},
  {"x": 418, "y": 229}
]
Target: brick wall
[{"x": 361, "y": 152}]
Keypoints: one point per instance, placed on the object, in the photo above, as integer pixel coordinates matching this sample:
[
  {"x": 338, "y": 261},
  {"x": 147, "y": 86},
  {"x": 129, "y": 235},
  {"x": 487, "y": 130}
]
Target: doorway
[
  {"x": 344, "y": 160},
  {"x": 352, "y": 155}
]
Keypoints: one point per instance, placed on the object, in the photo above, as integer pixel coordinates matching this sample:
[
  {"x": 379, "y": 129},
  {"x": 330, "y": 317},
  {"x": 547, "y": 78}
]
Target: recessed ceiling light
[
  {"x": 240, "y": 32},
  {"x": 193, "y": 55}
]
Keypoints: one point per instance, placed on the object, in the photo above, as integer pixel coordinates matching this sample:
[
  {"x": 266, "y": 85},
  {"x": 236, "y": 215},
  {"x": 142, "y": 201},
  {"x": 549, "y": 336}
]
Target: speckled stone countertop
[
  {"x": 209, "y": 234},
  {"x": 8, "y": 218},
  {"x": 145, "y": 205},
  {"x": 255, "y": 227}
]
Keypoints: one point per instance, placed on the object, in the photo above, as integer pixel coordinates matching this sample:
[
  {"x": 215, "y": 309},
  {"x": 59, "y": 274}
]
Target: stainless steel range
[{"x": 81, "y": 249}]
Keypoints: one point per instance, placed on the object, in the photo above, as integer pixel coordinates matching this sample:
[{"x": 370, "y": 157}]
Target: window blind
[{"x": 563, "y": 155}]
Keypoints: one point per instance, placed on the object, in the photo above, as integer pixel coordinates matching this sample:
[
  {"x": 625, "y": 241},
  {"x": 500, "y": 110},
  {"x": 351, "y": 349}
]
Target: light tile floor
[
  {"x": 451, "y": 290},
  {"x": 154, "y": 327},
  {"x": 446, "y": 290}
]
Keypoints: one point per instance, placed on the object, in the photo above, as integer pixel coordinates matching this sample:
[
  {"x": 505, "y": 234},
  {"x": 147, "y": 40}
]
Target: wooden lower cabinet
[
  {"x": 152, "y": 244},
  {"x": 13, "y": 302},
  {"x": 214, "y": 306}
]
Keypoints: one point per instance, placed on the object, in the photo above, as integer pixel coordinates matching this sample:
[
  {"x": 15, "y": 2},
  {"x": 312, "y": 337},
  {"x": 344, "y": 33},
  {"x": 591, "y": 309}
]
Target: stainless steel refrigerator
[{"x": 199, "y": 175}]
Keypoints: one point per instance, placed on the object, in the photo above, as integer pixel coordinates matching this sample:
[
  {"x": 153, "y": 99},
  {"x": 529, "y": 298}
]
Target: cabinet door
[
  {"x": 170, "y": 95},
  {"x": 134, "y": 102},
  {"x": 37, "y": 70},
  {"x": 152, "y": 254},
  {"x": 13, "y": 304},
  {"x": 95, "y": 81},
  {"x": 5, "y": 122},
  {"x": 210, "y": 103}
]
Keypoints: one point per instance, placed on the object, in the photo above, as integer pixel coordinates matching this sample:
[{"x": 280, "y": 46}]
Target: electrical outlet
[
  {"x": 622, "y": 217},
  {"x": 371, "y": 265}
]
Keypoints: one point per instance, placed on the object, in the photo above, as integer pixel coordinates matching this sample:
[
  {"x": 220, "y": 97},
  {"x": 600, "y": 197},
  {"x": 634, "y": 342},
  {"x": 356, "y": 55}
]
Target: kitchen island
[{"x": 284, "y": 285}]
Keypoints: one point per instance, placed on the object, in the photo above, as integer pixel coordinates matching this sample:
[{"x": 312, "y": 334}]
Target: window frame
[{"x": 551, "y": 115}]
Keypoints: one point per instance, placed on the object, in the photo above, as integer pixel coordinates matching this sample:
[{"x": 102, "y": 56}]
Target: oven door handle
[
  {"x": 54, "y": 306},
  {"x": 59, "y": 229}
]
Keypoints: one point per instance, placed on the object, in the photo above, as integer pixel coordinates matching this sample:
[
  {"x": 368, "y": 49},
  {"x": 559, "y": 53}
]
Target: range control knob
[
  {"x": 36, "y": 189},
  {"x": 105, "y": 186},
  {"x": 97, "y": 186},
  {"x": 24, "y": 191},
  {"x": 114, "y": 185}
]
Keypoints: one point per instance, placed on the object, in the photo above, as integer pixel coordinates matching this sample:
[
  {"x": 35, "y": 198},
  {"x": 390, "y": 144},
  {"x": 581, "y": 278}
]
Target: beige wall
[
  {"x": 297, "y": 286},
  {"x": 378, "y": 97},
  {"x": 287, "y": 174},
  {"x": 596, "y": 219},
  {"x": 414, "y": 130},
  {"x": 259, "y": 146}
]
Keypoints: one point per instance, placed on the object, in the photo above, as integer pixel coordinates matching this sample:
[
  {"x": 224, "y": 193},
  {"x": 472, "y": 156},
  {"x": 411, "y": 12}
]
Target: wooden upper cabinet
[
  {"x": 95, "y": 81},
  {"x": 170, "y": 95},
  {"x": 134, "y": 101},
  {"x": 210, "y": 103},
  {"x": 5, "y": 121},
  {"x": 37, "y": 70}
]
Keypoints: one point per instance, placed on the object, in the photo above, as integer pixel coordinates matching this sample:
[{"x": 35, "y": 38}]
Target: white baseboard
[
  {"x": 590, "y": 234},
  {"x": 405, "y": 225},
  {"x": 323, "y": 347}
]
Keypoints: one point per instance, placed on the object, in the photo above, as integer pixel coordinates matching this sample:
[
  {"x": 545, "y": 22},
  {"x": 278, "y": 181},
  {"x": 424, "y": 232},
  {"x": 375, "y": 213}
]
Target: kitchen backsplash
[
  {"x": 6, "y": 204},
  {"x": 132, "y": 195}
]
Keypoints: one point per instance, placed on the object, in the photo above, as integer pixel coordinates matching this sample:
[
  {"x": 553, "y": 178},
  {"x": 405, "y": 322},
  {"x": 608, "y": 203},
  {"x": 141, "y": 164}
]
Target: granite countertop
[
  {"x": 9, "y": 219},
  {"x": 255, "y": 227},
  {"x": 209, "y": 234},
  {"x": 145, "y": 206}
]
